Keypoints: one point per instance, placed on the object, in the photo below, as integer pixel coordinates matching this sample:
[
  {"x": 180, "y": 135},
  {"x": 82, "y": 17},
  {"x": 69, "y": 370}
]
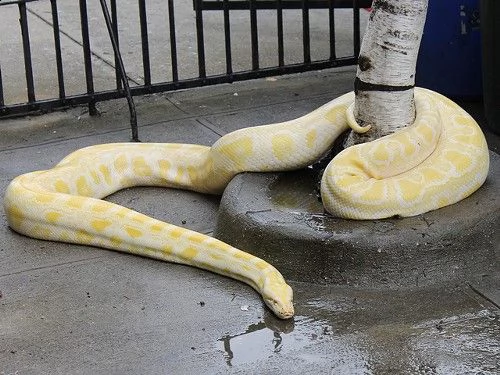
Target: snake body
[{"x": 439, "y": 160}]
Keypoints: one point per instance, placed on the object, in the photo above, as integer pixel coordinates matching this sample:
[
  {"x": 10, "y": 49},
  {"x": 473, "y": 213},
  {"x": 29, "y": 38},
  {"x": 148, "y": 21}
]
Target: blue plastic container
[{"x": 449, "y": 60}]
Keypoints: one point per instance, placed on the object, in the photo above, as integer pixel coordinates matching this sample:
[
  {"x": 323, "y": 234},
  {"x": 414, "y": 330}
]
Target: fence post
[
  {"x": 2, "y": 103},
  {"x": 200, "y": 39},
  {"x": 146, "y": 65},
  {"x": 87, "y": 57},
  {"x": 254, "y": 36},
  {"x": 28, "y": 68},
  {"x": 173, "y": 41},
  {"x": 57, "y": 45}
]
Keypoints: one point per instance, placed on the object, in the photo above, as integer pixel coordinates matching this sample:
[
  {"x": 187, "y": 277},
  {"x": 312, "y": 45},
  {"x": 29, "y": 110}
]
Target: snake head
[{"x": 278, "y": 296}]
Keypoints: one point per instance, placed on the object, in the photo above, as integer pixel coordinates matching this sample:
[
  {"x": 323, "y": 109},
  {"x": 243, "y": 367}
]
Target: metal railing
[{"x": 89, "y": 96}]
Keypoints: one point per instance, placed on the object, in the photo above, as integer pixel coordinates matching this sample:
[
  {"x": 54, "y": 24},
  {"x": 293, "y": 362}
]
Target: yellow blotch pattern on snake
[{"x": 439, "y": 160}]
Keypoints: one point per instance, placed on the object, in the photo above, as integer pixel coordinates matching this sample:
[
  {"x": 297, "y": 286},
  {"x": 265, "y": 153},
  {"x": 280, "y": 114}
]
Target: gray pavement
[
  {"x": 74, "y": 309},
  {"x": 67, "y": 309}
]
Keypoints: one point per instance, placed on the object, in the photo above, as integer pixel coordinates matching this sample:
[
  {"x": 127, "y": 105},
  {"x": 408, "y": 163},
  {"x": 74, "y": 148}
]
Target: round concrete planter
[{"x": 278, "y": 217}]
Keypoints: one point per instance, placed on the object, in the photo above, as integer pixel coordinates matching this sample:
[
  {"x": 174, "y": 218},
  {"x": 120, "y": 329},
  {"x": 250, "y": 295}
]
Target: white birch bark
[{"x": 385, "y": 76}]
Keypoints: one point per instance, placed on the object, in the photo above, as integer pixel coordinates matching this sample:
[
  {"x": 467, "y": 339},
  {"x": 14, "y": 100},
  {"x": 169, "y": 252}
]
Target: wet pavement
[{"x": 75, "y": 309}]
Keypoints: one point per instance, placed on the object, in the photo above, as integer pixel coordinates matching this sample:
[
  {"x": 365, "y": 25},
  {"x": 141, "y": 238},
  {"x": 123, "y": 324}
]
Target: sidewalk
[{"x": 75, "y": 309}]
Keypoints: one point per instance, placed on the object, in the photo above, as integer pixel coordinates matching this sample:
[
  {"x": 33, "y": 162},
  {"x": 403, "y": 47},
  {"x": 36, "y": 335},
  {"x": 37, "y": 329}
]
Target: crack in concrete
[
  {"x": 210, "y": 126},
  {"x": 483, "y": 296},
  {"x": 50, "y": 266},
  {"x": 195, "y": 117},
  {"x": 74, "y": 40}
]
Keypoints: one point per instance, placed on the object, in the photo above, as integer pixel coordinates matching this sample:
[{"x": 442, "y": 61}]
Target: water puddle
[
  {"x": 270, "y": 336},
  {"x": 367, "y": 332}
]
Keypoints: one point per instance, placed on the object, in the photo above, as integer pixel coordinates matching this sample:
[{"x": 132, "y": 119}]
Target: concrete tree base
[{"x": 278, "y": 217}]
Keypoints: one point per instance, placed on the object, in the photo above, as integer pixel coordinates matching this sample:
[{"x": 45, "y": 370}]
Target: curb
[{"x": 277, "y": 216}]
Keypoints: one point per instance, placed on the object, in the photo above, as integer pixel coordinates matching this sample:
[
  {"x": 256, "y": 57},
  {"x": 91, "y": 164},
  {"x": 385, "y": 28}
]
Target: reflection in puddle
[
  {"x": 271, "y": 336},
  {"x": 250, "y": 344}
]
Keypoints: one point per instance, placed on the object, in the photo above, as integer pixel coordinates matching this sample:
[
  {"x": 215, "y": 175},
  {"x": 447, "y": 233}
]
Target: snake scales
[{"x": 439, "y": 160}]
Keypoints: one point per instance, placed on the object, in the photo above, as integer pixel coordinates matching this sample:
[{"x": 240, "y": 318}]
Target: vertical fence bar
[
  {"x": 254, "y": 35},
  {"x": 145, "y": 42},
  {"x": 331, "y": 19},
  {"x": 356, "y": 27},
  {"x": 87, "y": 57},
  {"x": 57, "y": 45},
  {"x": 306, "y": 38},
  {"x": 114, "y": 21},
  {"x": 200, "y": 39},
  {"x": 2, "y": 103},
  {"x": 227, "y": 38},
  {"x": 279, "y": 20},
  {"x": 28, "y": 67},
  {"x": 173, "y": 41},
  {"x": 123, "y": 74}
]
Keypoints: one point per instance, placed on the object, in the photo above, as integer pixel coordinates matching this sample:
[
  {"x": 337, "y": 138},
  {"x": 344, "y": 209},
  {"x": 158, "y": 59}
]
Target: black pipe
[{"x": 123, "y": 74}]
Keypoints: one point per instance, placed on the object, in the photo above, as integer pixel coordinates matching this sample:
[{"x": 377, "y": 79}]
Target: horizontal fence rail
[
  {"x": 285, "y": 4},
  {"x": 224, "y": 16}
]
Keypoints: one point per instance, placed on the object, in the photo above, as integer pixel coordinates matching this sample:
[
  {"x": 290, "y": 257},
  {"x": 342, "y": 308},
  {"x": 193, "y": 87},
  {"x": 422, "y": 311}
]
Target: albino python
[{"x": 439, "y": 160}]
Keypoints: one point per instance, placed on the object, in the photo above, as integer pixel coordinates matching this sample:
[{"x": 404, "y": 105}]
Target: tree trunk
[{"x": 386, "y": 68}]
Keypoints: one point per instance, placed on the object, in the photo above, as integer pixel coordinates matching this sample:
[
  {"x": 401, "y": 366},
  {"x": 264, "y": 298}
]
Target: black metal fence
[{"x": 110, "y": 13}]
